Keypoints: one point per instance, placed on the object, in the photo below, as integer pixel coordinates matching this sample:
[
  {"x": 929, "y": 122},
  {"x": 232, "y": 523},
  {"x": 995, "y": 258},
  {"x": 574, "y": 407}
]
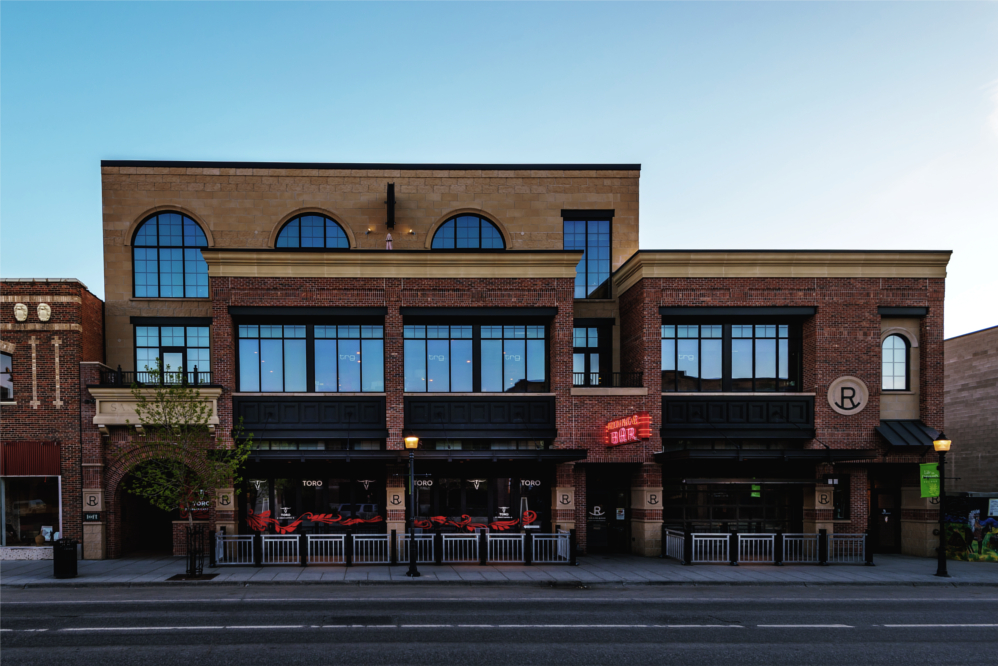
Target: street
[{"x": 508, "y": 625}]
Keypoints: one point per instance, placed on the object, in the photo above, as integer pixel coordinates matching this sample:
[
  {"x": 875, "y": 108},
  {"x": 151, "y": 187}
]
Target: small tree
[{"x": 183, "y": 460}]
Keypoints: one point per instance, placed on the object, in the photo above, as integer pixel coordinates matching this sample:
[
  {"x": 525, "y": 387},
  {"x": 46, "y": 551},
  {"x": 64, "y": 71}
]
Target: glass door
[{"x": 172, "y": 365}]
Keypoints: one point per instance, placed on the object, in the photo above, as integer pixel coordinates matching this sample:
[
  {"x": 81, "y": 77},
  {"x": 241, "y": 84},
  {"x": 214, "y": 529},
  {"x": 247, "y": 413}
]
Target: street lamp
[
  {"x": 941, "y": 445},
  {"x": 412, "y": 443}
]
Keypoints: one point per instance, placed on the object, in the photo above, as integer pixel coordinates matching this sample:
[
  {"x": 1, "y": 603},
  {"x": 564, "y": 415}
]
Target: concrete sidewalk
[{"x": 592, "y": 570}]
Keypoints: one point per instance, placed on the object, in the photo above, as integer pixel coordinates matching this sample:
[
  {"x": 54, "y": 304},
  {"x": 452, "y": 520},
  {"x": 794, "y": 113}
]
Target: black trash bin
[{"x": 64, "y": 558}]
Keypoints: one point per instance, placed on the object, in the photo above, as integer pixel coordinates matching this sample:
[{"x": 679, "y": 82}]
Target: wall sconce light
[{"x": 412, "y": 233}]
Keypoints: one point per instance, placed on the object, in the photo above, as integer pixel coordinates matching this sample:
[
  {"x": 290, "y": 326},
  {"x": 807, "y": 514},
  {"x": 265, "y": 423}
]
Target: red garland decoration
[{"x": 259, "y": 522}]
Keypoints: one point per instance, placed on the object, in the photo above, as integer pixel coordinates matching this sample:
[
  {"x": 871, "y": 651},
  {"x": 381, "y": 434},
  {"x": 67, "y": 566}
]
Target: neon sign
[{"x": 627, "y": 430}]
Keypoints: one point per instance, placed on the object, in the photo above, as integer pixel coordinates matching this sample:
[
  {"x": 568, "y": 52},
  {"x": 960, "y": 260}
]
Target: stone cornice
[
  {"x": 769, "y": 264},
  {"x": 116, "y": 406},
  {"x": 359, "y": 264}
]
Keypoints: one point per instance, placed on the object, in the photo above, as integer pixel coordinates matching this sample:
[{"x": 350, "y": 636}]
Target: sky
[{"x": 758, "y": 126}]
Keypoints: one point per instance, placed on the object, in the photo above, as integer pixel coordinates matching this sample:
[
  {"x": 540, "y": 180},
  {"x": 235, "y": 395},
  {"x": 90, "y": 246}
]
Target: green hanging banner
[{"x": 930, "y": 479}]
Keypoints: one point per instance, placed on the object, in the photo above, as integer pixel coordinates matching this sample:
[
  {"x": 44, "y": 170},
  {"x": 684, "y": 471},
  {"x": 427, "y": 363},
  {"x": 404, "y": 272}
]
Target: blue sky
[{"x": 773, "y": 125}]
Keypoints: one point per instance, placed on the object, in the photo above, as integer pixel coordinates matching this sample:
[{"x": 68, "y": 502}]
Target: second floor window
[
  {"x": 166, "y": 258},
  {"x": 173, "y": 349},
  {"x": 586, "y": 356},
  {"x": 894, "y": 367},
  {"x": 730, "y": 357},
  {"x": 6, "y": 378},
  {"x": 306, "y": 358}
]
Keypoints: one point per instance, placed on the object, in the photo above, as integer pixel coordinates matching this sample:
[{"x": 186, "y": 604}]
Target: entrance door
[
  {"x": 887, "y": 515},
  {"x": 608, "y": 520}
]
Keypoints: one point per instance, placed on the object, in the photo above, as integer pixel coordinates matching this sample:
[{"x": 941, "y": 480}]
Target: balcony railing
[
  {"x": 608, "y": 379},
  {"x": 126, "y": 378}
]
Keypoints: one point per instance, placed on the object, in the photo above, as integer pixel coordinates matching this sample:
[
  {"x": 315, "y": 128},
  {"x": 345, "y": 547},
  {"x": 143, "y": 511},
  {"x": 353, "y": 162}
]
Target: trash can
[{"x": 64, "y": 558}]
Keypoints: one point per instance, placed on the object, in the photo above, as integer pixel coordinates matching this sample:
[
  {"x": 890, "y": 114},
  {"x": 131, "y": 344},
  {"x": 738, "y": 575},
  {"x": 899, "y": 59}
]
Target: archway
[{"x": 144, "y": 528}]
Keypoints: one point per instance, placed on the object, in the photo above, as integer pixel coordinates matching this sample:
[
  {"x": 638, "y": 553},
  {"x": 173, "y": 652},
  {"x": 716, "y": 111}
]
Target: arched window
[
  {"x": 166, "y": 260},
  {"x": 894, "y": 373},
  {"x": 313, "y": 231},
  {"x": 468, "y": 232}
]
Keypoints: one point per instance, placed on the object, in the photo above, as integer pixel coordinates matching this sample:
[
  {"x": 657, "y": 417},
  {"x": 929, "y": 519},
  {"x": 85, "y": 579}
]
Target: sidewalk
[{"x": 592, "y": 570}]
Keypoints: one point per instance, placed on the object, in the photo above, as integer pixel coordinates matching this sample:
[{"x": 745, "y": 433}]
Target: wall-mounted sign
[
  {"x": 627, "y": 430},
  {"x": 848, "y": 395},
  {"x": 91, "y": 516},
  {"x": 621, "y": 513},
  {"x": 530, "y": 483},
  {"x": 929, "y": 473}
]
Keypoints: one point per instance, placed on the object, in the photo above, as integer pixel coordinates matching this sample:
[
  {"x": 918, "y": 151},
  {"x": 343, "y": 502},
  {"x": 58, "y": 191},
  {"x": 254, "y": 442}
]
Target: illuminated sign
[{"x": 627, "y": 430}]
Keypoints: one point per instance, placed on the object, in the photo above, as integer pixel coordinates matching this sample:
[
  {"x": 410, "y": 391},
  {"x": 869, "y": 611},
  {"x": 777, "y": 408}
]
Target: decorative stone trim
[
  {"x": 116, "y": 407},
  {"x": 905, "y": 333}
]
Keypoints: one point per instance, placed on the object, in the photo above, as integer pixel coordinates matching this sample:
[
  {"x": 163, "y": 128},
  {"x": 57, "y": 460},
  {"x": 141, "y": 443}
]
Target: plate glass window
[
  {"x": 592, "y": 275},
  {"x": 349, "y": 359},
  {"x": 312, "y": 231},
  {"x": 894, "y": 366},
  {"x": 166, "y": 258},
  {"x": 174, "y": 351},
  {"x": 468, "y": 232},
  {"x": 6, "y": 378}
]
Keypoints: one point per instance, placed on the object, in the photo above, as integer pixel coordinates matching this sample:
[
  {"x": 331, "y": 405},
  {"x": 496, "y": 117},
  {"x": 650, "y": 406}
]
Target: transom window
[
  {"x": 894, "y": 368},
  {"x": 299, "y": 358},
  {"x": 730, "y": 357},
  {"x": 313, "y": 231},
  {"x": 166, "y": 261},
  {"x": 468, "y": 232},
  {"x": 475, "y": 358},
  {"x": 173, "y": 350},
  {"x": 592, "y": 275}
]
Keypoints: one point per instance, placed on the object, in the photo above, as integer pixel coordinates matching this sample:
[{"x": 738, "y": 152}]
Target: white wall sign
[{"x": 848, "y": 395}]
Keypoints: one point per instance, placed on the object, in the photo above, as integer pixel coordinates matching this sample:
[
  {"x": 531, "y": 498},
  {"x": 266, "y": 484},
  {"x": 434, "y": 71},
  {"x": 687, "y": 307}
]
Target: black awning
[
  {"x": 907, "y": 433},
  {"x": 785, "y": 455},
  {"x": 401, "y": 455}
]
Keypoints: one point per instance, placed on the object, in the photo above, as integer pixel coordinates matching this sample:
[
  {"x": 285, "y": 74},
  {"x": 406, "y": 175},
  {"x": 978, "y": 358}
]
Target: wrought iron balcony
[
  {"x": 126, "y": 378},
  {"x": 608, "y": 379}
]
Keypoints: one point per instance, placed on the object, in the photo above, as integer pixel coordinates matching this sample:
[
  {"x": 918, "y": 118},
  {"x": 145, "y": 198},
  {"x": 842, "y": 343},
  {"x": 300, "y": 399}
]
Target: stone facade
[{"x": 972, "y": 411}]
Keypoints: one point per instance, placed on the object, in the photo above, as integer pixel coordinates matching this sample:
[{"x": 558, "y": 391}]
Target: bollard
[
  {"x": 303, "y": 549},
  {"x": 573, "y": 548},
  {"x": 348, "y": 549},
  {"x": 258, "y": 550},
  {"x": 733, "y": 548},
  {"x": 528, "y": 548},
  {"x": 212, "y": 549},
  {"x": 823, "y": 547},
  {"x": 393, "y": 549},
  {"x": 483, "y": 548},
  {"x": 438, "y": 548},
  {"x": 688, "y": 544},
  {"x": 867, "y": 549},
  {"x": 778, "y": 549}
]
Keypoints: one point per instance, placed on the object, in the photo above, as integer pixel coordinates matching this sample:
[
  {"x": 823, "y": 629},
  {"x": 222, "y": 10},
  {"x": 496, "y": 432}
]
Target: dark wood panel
[
  {"x": 521, "y": 415},
  {"x": 707, "y": 416},
  {"x": 319, "y": 414}
]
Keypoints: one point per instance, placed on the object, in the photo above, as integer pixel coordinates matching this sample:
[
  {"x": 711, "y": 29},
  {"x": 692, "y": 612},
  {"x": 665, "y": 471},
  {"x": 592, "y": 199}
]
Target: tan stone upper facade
[{"x": 245, "y": 205}]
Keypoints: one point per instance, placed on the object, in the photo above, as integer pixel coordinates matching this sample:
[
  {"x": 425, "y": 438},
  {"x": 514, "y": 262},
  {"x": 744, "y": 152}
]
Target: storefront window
[
  {"x": 483, "y": 444},
  {"x": 438, "y": 359},
  {"x": 31, "y": 514},
  {"x": 513, "y": 359},
  {"x": 318, "y": 445}
]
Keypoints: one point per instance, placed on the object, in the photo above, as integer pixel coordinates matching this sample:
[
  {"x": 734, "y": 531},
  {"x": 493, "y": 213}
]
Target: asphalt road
[{"x": 470, "y": 626}]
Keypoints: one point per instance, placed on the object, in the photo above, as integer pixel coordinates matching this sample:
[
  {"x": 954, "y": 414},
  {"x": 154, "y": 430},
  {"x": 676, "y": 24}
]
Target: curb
[{"x": 496, "y": 583}]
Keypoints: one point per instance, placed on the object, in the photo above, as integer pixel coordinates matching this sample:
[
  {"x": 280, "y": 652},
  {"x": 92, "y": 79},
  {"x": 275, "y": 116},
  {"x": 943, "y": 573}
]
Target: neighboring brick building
[
  {"x": 511, "y": 322},
  {"x": 972, "y": 410},
  {"x": 49, "y": 329}
]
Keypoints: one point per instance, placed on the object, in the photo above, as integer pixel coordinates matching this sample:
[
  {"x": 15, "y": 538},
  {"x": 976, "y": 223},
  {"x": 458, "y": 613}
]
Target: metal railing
[
  {"x": 710, "y": 548},
  {"x": 800, "y": 548},
  {"x": 460, "y": 548},
  {"x": 126, "y": 378},
  {"x": 846, "y": 548},
  {"x": 371, "y": 549},
  {"x": 326, "y": 549},
  {"x": 505, "y": 548},
  {"x": 234, "y": 550},
  {"x": 608, "y": 379},
  {"x": 756, "y": 548},
  {"x": 672, "y": 544},
  {"x": 280, "y": 549},
  {"x": 424, "y": 548},
  {"x": 551, "y": 548}
]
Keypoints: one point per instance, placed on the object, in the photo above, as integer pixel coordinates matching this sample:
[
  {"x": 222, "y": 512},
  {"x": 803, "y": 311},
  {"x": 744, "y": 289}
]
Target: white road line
[
  {"x": 700, "y": 626},
  {"x": 806, "y": 626},
  {"x": 587, "y": 600},
  {"x": 265, "y": 626},
  {"x": 138, "y": 628},
  {"x": 938, "y": 625}
]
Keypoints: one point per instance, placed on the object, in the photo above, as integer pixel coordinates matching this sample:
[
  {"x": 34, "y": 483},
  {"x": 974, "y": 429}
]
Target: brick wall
[{"x": 972, "y": 410}]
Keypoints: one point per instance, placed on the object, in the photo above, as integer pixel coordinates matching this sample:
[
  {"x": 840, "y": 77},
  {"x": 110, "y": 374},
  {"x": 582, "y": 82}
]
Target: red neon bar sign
[{"x": 627, "y": 430}]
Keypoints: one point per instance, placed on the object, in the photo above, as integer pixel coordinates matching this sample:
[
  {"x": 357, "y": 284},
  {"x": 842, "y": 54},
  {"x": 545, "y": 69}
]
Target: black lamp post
[
  {"x": 941, "y": 445},
  {"x": 412, "y": 443}
]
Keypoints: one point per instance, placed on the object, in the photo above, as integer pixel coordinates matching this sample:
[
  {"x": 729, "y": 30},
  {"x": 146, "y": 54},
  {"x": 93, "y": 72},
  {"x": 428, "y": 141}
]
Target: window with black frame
[
  {"x": 173, "y": 351},
  {"x": 300, "y": 358},
  {"x": 730, "y": 357},
  {"x": 894, "y": 364},
  {"x": 590, "y": 356},
  {"x": 166, "y": 258},
  {"x": 592, "y": 275},
  {"x": 840, "y": 496},
  {"x": 6, "y": 378},
  {"x": 473, "y": 358}
]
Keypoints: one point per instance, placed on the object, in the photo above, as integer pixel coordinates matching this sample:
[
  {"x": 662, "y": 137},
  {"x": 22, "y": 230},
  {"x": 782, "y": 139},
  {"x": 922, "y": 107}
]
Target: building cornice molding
[
  {"x": 774, "y": 264},
  {"x": 359, "y": 264}
]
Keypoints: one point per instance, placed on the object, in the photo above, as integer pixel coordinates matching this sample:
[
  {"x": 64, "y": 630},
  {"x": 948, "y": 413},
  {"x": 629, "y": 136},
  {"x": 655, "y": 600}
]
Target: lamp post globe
[{"x": 941, "y": 444}]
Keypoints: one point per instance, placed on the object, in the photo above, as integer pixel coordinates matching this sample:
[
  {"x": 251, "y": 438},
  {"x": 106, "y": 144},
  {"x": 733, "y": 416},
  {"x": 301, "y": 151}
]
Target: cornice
[
  {"x": 354, "y": 264},
  {"x": 770, "y": 264}
]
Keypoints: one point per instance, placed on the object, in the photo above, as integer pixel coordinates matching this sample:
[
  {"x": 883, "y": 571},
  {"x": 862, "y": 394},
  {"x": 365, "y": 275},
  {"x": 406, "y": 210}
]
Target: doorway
[
  {"x": 608, "y": 509},
  {"x": 144, "y": 528}
]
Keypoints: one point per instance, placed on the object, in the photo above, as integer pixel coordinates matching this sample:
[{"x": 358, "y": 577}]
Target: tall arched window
[
  {"x": 468, "y": 232},
  {"x": 313, "y": 231},
  {"x": 166, "y": 260},
  {"x": 894, "y": 372}
]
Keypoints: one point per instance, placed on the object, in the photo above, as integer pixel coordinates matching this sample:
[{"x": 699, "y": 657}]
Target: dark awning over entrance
[
  {"x": 549, "y": 455},
  {"x": 814, "y": 455},
  {"x": 907, "y": 433}
]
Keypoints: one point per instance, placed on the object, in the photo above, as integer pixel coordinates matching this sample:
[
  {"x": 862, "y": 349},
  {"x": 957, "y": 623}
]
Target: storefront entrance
[{"x": 608, "y": 509}]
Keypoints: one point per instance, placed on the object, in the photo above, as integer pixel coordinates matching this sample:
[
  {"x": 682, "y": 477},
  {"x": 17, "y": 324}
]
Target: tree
[{"x": 184, "y": 462}]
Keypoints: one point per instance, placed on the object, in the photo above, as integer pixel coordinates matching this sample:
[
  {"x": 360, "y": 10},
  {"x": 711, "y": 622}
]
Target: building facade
[
  {"x": 49, "y": 330},
  {"x": 972, "y": 410},
  {"x": 557, "y": 376}
]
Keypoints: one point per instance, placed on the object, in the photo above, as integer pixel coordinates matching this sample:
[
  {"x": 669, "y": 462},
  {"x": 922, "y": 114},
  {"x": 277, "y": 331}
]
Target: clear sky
[{"x": 774, "y": 125}]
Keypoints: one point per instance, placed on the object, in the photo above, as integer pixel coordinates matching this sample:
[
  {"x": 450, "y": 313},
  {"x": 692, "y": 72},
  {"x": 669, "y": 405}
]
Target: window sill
[
  {"x": 893, "y": 392},
  {"x": 147, "y": 299},
  {"x": 620, "y": 390},
  {"x": 730, "y": 394},
  {"x": 11, "y": 403},
  {"x": 310, "y": 395},
  {"x": 484, "y": 395}
]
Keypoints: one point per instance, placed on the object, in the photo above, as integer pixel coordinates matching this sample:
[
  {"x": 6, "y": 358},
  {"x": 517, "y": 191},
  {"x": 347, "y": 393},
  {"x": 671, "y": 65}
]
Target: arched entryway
[{"x": 144, "y": 528}]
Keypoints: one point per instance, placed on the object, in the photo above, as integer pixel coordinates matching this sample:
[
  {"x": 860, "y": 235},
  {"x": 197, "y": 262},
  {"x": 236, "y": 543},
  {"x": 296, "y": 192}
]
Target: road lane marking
[
  {"x": 806, "y": 626},
  {"x": 897, "y": 626},
  {"x": 538, "y": 600},
  {"x": 139, "y": 628},
  {"x": 265, "y": 626}
]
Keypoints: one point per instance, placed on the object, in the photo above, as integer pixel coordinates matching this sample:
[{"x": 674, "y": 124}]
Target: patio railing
[{"x": 766, "y": 548}]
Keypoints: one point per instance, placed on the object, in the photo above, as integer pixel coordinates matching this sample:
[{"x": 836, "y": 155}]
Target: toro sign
[{"x": 629, "y": 429}]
